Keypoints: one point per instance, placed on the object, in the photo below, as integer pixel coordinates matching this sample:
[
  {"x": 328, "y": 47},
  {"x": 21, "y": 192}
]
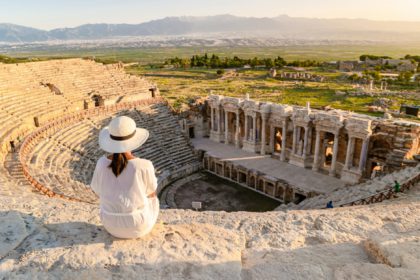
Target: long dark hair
[{"x": 119, "y": 162}]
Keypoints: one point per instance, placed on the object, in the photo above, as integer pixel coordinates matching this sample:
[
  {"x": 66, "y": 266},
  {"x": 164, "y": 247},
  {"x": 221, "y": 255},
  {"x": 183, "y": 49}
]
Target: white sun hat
[{"x": 122, "y": 135}]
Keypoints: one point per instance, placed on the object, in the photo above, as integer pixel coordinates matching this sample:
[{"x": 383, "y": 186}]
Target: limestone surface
[{"x": 51, "y": 238}]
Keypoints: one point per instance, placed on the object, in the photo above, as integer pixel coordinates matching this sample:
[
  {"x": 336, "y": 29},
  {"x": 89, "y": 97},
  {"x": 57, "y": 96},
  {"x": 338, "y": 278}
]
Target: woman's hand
[{"x": 153, "y": 194}]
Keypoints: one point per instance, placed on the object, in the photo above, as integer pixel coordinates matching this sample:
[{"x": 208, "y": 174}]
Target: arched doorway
[
  {"x": 99, "y": 100},
  {"x": 379, "y": 148},
  {"x": 278, "y": 137},
  {"x": 327, "y": 150}
]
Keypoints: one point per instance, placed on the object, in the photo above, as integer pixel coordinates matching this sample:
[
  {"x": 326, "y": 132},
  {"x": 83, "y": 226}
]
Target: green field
[
  {"x": 159, "y": 54},
  {"x": 180, "y": 86}
]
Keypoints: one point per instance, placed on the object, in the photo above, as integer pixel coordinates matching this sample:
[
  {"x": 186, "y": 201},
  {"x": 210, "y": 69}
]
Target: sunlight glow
[{"x": 49, "y": 14}]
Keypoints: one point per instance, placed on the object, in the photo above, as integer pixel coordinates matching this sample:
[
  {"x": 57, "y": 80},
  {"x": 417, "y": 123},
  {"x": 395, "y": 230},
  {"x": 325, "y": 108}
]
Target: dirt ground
[{"x": 217, "y": 194}]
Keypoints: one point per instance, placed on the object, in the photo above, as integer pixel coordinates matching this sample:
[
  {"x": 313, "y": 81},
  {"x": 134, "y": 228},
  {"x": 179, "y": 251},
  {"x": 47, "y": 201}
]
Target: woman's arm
[
  {"x": 151, "y": 181},
  {"x": 95, "y": 184}
]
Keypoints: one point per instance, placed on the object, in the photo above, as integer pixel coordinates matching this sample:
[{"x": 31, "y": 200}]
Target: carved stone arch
[{"x": 98, "y": 99}]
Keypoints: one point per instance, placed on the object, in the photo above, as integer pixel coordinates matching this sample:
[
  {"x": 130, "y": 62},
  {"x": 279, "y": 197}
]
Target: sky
[{"x": 49, "y": 14}]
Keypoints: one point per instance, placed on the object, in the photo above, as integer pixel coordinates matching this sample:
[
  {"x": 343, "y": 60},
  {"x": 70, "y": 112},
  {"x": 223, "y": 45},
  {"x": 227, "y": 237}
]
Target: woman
[{"x": 126, "y": 185}]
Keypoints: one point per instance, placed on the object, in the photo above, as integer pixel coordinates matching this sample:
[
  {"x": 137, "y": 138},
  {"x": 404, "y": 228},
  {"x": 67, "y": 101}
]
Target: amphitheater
[{"x": 52, "y": 111}]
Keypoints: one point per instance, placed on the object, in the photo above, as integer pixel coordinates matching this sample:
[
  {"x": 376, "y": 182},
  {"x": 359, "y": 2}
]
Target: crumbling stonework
[
  {"x": 300, "y": 76},
  {"x": 342, "y": 144}
]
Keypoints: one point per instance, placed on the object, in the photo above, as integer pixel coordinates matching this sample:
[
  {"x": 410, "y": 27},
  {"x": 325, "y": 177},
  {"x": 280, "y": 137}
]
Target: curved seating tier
[
  {"x": 63, "y": 161},
  {"x": 49, "y": 89}
]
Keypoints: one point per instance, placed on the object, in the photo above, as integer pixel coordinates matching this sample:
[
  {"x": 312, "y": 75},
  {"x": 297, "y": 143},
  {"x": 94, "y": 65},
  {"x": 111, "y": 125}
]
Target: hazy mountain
[
  {"x": 278, "y": 27},
  {"x": 17, "y": 33}
]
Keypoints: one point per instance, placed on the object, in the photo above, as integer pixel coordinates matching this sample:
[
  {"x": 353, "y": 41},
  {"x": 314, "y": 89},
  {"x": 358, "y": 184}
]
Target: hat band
[{"x": 122, "y": 138}]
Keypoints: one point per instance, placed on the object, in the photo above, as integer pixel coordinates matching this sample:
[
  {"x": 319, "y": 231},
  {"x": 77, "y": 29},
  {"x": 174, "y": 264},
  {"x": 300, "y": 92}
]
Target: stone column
[
  {"x": 298, "y": 131},
  {"x": 212, "y": 118},
  {"x": 237, "y": 130},
  {"x": 315, "y": 167},
  {"x": 294, "y": 139},
  {"x": 305, "y": 142},
  {"x": 246, "y": 127},
  {"x": 309, "y": 146},
  {"x": 335, "y": 154},
  {"x": 349, "y": 155},
  {"x": 222, "y": 121},
  {"x": 283, "y": 141},
  {"x": 226, "y": 127},
  {"x": 254, "y": 128},
  {"x": 263, "y": 136},
  {"x": 272, "y": 137},
  {"x": 218, "y": 119},
  {"x": 363, "y": 155}
]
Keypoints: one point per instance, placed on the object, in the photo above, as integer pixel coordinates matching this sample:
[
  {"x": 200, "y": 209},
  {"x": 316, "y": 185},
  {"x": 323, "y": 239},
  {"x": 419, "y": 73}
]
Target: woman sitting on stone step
[{"x": 126, "y": 185}]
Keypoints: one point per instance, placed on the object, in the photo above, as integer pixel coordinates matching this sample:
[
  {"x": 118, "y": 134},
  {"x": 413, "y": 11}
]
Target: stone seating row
[
  {"x": 65, "y": 160},
  {"x": 67, "y": 76},
  {"x": 107, "y": 80},
  {"x": 24, "y": 94},
  {"x": 346, "y": 195}
]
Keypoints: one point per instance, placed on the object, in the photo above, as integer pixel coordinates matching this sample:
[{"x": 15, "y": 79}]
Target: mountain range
[{"x": 277, "y": 27}]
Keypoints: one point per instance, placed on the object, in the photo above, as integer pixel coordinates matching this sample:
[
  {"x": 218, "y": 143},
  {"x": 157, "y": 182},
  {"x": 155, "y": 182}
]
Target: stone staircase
[{"x": 346, "y": 195}]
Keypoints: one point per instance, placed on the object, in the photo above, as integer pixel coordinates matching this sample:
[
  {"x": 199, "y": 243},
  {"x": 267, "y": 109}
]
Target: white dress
[{"x": 125, "y": 209}]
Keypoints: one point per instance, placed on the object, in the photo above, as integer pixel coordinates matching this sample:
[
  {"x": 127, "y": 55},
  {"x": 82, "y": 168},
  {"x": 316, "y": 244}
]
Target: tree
[
  {"x": 193, "y": 62},
  {"x": 206, "y": 60},
  {"x": 214, "y": 61},
  {"x": 268, "y": 62},
  {"x": 279, "y": 62},
  {"x": 374, "y": 75},
  {"x": 405, "y": 77},
  {"x": 354, "y": 77},
  {"x": 364, "y": 57},
  {"x": 413, "y": 57},
  {"x": 254, "y": 62},
  {"x": 185, "y": 63}
]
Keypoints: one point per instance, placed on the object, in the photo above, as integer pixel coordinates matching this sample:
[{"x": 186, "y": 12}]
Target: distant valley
[{"x": 220, "y": 30}]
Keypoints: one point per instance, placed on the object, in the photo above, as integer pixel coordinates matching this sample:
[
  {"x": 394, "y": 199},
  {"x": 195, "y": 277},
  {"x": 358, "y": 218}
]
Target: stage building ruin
[{"x": 342, "y": 144}]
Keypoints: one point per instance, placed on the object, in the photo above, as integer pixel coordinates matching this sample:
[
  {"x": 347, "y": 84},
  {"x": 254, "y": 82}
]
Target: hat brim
[{"x": 113, "y": 146}]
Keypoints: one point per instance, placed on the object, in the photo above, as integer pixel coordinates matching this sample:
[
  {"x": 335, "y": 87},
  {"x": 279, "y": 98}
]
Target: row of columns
[
  {"x": 250, "y": 128},
  {"x": 217, "y": 123},
  {"x": 251, "y": 135},
  {"x": 350, "y": 154}
]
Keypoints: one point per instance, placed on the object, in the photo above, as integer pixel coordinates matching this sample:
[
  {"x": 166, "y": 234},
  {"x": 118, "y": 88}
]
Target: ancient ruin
[
  {"x": 51, "y": 113},
  {"x": 344, "y": 145},
  {"x": 71, "y": 99},
  {"x": 303, "y": 76},
  {"x": 400, "y": 65}
]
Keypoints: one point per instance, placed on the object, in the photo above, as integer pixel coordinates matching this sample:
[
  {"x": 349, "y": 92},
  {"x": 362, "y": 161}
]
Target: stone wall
[
  {"x": 253, "y": 179},
  {"x": 304, "y": 76}
]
